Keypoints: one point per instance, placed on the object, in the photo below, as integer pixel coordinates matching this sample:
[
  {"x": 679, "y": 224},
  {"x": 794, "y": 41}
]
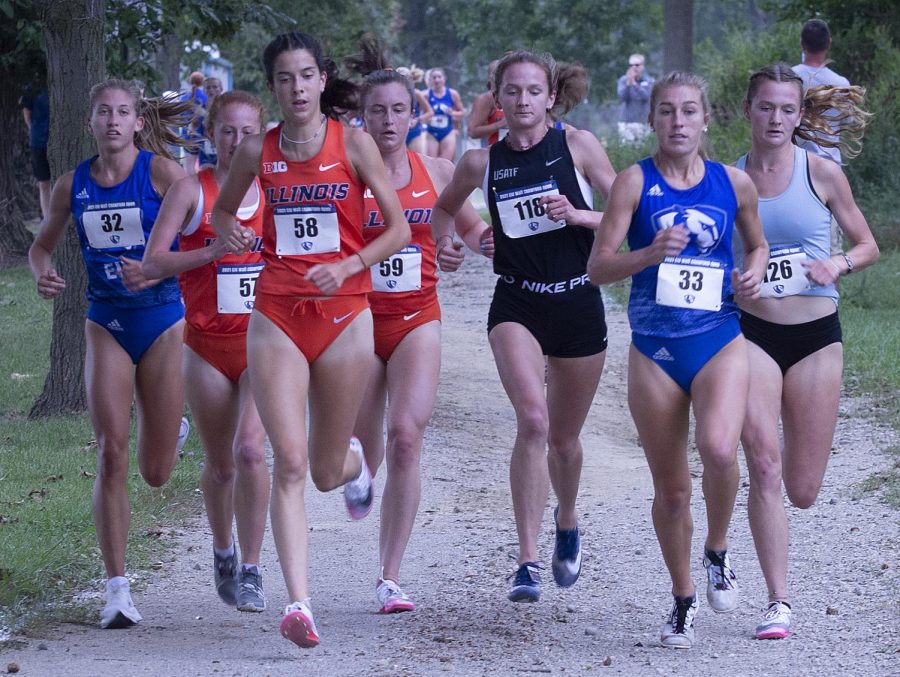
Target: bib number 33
[{"x": 685, "y": 282}]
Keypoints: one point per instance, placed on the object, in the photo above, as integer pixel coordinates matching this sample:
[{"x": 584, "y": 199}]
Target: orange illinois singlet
[
  {"x": 218, "y": 296},
  {"x": 407, "y": 281},
  {"x": 313, "y": 215}
]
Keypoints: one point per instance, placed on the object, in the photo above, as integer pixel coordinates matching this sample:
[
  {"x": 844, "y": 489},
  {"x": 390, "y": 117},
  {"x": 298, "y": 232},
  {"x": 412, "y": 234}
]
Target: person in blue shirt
[
  {"x": 678, "y": 211},
  {"x": 134, "y": 325},
  {"x": 36, "y": 111}
]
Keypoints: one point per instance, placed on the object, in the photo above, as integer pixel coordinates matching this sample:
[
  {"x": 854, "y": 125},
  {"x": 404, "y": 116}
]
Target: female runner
[
  {"x": 678, "y": 211},
  {"x": 134, "y": 325},
  {"x": 422, "y": 111},
  {"x": 794, "y": 335},
  {"x": 545, "y": 316},
  {"x": 486, "y": 120},
  {"x": 311, "y": 327},
  {"x": 218, "y": 297},
  {"x": 440, "y": 141},
  {"x": 405, "y": 310}
]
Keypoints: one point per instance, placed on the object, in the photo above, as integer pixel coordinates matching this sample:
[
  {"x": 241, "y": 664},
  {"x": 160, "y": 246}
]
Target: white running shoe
[
  {"x": 678, "y": 631},
  {"x": 183, "y": 433},
  {"x": 392, "y": 598},
  {"x": 359, "y": 493},
  {"x": 119, "y": 611},
  {"x": 721, "y": 587},
  {"x": 776, "y": 624},
  {"x": 298, "y": 625}
]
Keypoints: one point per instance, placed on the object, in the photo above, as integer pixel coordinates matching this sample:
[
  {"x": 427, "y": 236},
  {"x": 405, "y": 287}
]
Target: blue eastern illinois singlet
[
  {"x": 527, "y": 243},
  {"x": 665, "y": 298},
  {"x": 113, "y": 222}
]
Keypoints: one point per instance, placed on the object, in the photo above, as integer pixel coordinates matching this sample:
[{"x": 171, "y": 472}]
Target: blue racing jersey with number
[
  {"x": 675, "y": 298},
  {"x": 113, "y": 222}
]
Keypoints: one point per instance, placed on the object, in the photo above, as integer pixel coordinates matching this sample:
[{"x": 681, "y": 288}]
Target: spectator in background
[
  {"x": 634, "y": 94},
  {"x": 36, "y": 110},
  {"x": 212, "y": 87},
  {"x": 815, "y": 41},
  {"x": 194, "y": 129}
]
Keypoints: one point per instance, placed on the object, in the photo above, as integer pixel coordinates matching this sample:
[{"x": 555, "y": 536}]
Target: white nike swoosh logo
[
  {"x": 409, "y": 317},
  {"x": 325, "y": 168},
  {"x": 418, "y": 194},
  {"x": 338, "y": 320},
  {"x": 550, "y": 162}
]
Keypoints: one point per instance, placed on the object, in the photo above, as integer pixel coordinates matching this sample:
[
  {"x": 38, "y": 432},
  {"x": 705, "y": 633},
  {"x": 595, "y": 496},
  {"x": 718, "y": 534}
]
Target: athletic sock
[
  {"x": 250, "y": 568},
  {"x": 226, "y": 552}
]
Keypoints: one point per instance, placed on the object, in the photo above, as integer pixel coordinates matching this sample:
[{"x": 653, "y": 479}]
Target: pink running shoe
[
  {"x": 776, "y": 624},
  {"x": 298, "y": 626},
  {"x": 359, "y": 493},
  {"x": 392, "y": 599}
]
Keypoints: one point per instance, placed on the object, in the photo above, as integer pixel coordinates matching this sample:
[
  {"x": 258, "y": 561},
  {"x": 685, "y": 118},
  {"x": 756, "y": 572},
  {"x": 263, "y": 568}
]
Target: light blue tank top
[{"x": 797, "y": 216}]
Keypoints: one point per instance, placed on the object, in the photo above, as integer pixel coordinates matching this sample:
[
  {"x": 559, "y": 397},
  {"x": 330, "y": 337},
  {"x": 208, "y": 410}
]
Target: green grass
[{"x": 48, "y": 548}]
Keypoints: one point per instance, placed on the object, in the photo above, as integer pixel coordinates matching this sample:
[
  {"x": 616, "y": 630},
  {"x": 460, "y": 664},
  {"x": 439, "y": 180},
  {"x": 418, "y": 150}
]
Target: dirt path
[{"x": 844, "y": 568}]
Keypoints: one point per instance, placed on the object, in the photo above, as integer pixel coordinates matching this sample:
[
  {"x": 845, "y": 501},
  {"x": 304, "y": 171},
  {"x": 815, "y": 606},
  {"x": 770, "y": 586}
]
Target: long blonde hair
[
  {"x": 833, "y": 117},
  {"x": 162, "y": 116}
]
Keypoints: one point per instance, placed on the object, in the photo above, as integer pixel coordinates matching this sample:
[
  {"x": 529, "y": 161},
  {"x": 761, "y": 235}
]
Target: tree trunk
[
  {"x": 74, "y": 32},
  {"x": 168, "y": 61},
  {"x": 14, "y": 237},
  {"x": 678, "y": 45}
]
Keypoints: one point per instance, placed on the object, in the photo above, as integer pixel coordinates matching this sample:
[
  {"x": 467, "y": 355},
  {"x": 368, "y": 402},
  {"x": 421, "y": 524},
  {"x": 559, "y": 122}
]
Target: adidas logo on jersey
[
  {"x": 663, "y": 355},
  {"x": 656, "y": 191},
  {"x": 114, "y": 326},
  {"x": 82, "y": 194}
]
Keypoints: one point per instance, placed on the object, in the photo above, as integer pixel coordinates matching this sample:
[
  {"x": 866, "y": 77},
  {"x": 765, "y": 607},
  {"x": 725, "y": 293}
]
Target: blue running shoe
[
  {"x": 526, "y": 585},
  {"x": 566, "y": 562}
]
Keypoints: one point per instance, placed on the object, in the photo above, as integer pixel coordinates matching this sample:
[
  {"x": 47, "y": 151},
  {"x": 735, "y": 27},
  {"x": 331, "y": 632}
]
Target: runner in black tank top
[{"x": 544, "y": 313}]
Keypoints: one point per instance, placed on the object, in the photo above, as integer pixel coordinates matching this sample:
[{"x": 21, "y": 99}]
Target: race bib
[
  {"x": 785, "y": 274},
  {"x": 236, "y": 287},
  {"x": 521, "y": 213},
  {"x": 302, "y": 230},
  {"x": 440, "y": 121},
  {"x": 686, "y": 282},
  {"x": 108, "y": 228},
  {"x": 400, "y": 272}
]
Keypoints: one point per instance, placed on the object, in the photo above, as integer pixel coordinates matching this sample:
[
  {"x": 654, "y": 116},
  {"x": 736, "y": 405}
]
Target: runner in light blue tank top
[{"x": 793, "y": 331}]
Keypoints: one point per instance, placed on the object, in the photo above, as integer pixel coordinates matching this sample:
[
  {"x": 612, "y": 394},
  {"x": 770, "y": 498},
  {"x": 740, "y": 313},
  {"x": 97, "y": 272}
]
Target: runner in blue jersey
[
  {"x": 678, "y": 211},
  {"x": 793, "y": 331},
  {"x": 546, "y": 324},
  {"x": 448, "y": 109},
  {"x": 134, "y": 325}
]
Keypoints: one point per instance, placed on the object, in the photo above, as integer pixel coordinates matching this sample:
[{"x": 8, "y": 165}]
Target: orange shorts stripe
[
  {"x": 227, "y": 353},
  {"x": 391, "y": 329},
  {"x": 311, "y": 323}
]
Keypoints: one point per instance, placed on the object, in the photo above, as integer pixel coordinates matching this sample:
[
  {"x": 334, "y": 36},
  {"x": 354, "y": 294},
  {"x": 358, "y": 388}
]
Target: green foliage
[
  {"x": 136, "y": 30},
  {"x": 598, "y": 35},
  {"x": 21, "y": 54}
]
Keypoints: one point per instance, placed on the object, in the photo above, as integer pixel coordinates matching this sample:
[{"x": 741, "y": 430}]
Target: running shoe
[
  {"x": 183, "y": 433},
  {"x": 678, "y": 631},
  {"x": 359, "y": 493},
  {"x": 119, "y": 611},
  {"x": 392, "y": 599},
  {"x": 526, "y": 586},
  {"x": 250, "y": 596},
  {"x": 225, "y": 576},
  {"x": 298, "y": 626},
  {"x": 776, "y": 624},
  {"x": 721, "y": 587},
  {"x": 566, "y": 562}
]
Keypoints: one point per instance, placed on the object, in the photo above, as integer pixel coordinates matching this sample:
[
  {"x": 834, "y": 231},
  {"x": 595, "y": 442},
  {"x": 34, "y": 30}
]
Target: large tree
[
  {"x": 74, "y": 38},
  {"x": 21, "y": 66},
  {"x": 678, "y": 45}
]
